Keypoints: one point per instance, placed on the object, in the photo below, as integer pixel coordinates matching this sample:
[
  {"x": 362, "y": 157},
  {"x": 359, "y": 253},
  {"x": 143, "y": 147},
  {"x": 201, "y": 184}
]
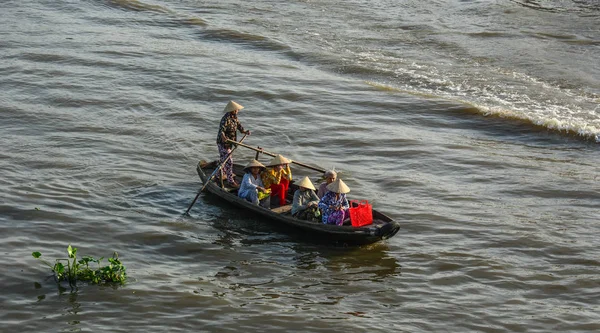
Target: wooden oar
[
  {"x": 217, "y": 169},
  {"x": 271, "y": 154}
]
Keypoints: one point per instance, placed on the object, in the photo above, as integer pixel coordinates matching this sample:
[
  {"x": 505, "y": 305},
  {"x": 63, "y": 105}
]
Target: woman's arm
[
  {"x": 287, "y": 172},
  {"x": 345, "y": 203},
  {"x": 241, "y": 128},
  {"x": 324, "y": 203},
  {"x": 270, "y": 177},
  {"x": 314, "y": 199},
  {"x": 297, "y": 205},
  {"x": 247, "y": 183}
]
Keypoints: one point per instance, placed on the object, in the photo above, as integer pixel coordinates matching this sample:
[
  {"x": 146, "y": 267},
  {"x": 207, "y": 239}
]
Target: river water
[{"x": 475, "y": 124}]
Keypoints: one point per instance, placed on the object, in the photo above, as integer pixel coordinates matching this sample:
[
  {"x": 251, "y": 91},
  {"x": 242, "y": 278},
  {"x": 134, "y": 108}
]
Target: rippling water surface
[{"x": 474, "y": 124}]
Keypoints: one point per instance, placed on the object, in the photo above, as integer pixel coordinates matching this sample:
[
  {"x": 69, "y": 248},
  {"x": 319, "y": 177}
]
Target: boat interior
[{"x": 275, "y": 207}]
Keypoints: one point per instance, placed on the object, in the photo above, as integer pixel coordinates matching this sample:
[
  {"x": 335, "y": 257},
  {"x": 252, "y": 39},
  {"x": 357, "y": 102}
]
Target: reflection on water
[
  {"x": 62, "y": 302},
  {"x": 372, "y": 262},
  {"x": 318, "y": 281},
  {"x": 262, "y": 259},
  {"x": 75, "y": 308},
  {"x": 289, "y": 259},
  {"x": 250, "y": 264}
]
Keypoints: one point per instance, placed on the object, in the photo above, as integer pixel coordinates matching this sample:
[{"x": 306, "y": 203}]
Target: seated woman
[
  {"x": 334, "y": 205},
  {"x": 252, "y": 188},
  {"x": 277, "y": 177},
  {"x": 305, "y": 205},
  {"x": 330, "y": 177}
]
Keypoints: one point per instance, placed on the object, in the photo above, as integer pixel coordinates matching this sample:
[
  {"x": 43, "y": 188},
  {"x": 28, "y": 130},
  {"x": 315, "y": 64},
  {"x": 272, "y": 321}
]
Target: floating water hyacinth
[{"x": 80, "y": 270}]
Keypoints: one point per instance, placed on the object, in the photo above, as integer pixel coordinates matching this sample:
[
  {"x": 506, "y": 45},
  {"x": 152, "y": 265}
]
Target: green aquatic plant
[{"x": 80, "y": 270}]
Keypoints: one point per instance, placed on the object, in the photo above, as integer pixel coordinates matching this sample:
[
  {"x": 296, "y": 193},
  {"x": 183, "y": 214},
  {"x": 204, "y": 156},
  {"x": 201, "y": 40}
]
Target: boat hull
[{"x": 383, "y": 227}]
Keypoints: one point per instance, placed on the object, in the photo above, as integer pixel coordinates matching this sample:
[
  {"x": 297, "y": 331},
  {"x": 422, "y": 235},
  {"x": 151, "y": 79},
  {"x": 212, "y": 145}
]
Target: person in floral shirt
[
  {"x": 228, "y": 131},
  {"x": 334, "y": 205}
]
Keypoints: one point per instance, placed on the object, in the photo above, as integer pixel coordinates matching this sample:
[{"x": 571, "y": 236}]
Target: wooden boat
[{"x": 383, "y": 227}]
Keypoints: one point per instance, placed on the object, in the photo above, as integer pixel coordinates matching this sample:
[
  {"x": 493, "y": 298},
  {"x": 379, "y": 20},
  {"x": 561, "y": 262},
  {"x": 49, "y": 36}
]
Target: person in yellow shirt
[{"x": 277, "y": 177}]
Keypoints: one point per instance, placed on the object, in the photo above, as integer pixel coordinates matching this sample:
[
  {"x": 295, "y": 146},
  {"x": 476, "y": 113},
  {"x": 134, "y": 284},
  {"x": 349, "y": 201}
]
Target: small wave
[
  {"x": 575, "y": 127},
  {"x": 234, "y": 36},
  {"x": 488, "y": 34},
  {"x": 218, "y": 34},
  {"x": 583, "y": 42},
  {"x": 555, "y": 36},
  {"x": 41, "y": 57},
  {"x": 385, "y": 87},
  {"x": 195, "y": 21},
  {"x": 564, "y": 124},
  {"x": 581, "y": 6},
  {"x": 535, "y": 5},
  {"x": 569, "y": 39},
  {"x": 177, "y": 18},
  {"x": 138, "y": 6}
]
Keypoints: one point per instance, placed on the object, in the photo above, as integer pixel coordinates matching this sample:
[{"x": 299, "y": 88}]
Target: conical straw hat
[
  {"x": 253, "y": 163},
  {"x": 305, "y": 182},
  {"x": 338, "y": 186},
  {"x": 232, "y": 106},
  {"x": 279, "y": 160}
]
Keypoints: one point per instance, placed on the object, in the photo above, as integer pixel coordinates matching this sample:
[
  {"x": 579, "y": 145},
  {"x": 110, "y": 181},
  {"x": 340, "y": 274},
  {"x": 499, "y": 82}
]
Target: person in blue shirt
[{"x": 252, "y": 188}]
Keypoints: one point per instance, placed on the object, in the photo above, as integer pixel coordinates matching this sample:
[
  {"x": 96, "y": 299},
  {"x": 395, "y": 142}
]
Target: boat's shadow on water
[
  {"x": 257, "y": 229},
  {"x": 369, "y": 262},
  {"x": 238, "y": 228}
]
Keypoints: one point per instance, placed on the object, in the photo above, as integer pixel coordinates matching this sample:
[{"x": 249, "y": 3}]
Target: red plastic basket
[{"x": 361, "y": 213}]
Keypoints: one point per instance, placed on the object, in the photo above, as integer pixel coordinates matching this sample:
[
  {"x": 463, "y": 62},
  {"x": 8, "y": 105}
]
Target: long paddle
[
  {"x": 271, "y": 154},
  {"x": 217, "y": 169}
]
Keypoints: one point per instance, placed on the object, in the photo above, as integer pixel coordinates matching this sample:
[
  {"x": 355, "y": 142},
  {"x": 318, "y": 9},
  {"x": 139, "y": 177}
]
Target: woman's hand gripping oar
[{"x": 217, "y": 169}]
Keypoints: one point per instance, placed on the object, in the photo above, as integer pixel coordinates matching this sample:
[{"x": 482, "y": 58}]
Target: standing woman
[{"x": 228, "y": 131}]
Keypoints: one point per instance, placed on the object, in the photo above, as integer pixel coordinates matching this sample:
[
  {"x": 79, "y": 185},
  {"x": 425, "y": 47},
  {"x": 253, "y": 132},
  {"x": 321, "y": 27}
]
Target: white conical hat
[
  {"x": 279, "y": 160},
  {"x": 232, "y": 106},
  {"x": 305, "y": 182},
  {"x": 253, "y": 163},
  {"x": 338, "y": 186}
]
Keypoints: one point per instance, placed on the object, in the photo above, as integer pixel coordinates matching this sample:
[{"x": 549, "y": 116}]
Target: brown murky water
[{"x": 474, "y": 124}]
